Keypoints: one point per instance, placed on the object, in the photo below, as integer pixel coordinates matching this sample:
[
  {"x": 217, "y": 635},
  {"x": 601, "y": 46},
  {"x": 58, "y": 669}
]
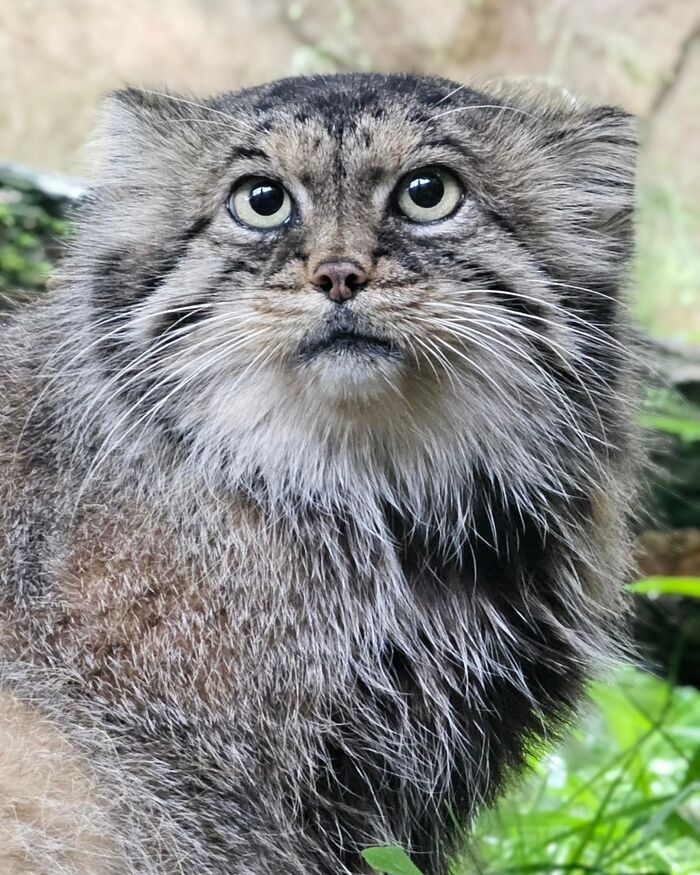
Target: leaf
[
  {"x": 688, "y": 586},
  {"x": 688, "y": 430},
  {"x": 390, "y": 860}
]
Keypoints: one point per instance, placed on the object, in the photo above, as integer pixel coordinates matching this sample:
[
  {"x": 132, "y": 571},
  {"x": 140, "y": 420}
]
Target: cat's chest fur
[
  {"x": 193, "y": 607},
  {"x": 235, "y": 610},
  {"x": 235, "y": 605}
]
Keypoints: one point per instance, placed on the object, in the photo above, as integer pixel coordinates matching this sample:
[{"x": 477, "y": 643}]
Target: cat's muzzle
[{"x": 344, "y": 334}]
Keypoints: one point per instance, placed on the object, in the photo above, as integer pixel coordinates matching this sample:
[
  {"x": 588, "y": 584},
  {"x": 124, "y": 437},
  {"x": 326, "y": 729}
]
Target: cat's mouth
[{"x": 343, "y": 335}]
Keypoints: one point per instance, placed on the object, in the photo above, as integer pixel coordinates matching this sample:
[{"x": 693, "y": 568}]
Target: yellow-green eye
[
  {"x": 429, "y": 194},
  {"x": 260, "y": 203}
]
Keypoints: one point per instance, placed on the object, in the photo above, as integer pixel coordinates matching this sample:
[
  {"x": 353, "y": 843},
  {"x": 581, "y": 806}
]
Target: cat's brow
[
  {"x": 449, "y": 143},
  {"x": 239, "y": 153}
]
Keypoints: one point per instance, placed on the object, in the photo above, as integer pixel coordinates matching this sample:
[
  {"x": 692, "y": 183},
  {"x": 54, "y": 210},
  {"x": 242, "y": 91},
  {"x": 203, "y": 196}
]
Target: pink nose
[{"x": 340, "y": 280}]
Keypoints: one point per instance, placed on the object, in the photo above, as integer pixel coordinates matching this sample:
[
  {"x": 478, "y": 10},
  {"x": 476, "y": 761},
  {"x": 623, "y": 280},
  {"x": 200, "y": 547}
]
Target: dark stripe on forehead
[
  {"x": 240, "y": 153},
  {"x": 452, "y": 144}
]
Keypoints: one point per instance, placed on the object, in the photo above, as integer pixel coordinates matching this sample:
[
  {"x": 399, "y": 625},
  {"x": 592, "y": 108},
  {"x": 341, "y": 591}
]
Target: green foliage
[
  {"x": 31, "y": 228},
  {"x": 672, "y": 415},
  {"x": 621, "y": 797},
  {"x": 674, "y": 427},
  {"x": 687, "y": 430}
]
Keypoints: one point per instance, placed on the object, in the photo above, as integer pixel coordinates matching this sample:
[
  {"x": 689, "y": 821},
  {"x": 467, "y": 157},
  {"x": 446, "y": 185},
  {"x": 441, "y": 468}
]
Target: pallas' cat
[{"x": 314, "y": 467}]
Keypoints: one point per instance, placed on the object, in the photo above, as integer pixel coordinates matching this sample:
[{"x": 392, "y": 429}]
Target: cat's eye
[
  {"x": 429, "y": 194},
  {"x": 260, "y": 203}
]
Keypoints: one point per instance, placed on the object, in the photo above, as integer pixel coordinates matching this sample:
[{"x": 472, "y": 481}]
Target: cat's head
[{"x": 362, "y": 261}]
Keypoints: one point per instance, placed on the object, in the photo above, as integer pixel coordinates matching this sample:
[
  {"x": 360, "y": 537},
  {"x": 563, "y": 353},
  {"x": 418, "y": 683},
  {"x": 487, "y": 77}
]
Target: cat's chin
[{"x": 355, "y": 372}]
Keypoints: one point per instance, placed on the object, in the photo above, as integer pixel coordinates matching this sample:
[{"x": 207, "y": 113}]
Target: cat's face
[{"x": 367, "y": 252}]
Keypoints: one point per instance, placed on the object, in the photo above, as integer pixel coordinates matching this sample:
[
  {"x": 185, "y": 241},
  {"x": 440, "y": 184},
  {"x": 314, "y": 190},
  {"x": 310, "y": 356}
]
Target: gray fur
[{"x": 288, "y": 608}]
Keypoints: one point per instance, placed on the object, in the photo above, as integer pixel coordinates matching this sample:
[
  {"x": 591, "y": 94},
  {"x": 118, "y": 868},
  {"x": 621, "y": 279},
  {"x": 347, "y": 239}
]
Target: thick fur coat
[{"x": 260, "y": 608}]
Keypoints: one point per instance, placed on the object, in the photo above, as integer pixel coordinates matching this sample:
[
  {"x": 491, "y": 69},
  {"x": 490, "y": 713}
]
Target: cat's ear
[
  {"x": 572, "y": 172},
  {"x": 596, "y": 151},
  {"x": 139, "y": 131}
]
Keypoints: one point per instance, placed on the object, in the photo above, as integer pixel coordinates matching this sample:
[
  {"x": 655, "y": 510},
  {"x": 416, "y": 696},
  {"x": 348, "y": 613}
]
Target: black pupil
[
  {"x": 266, "y": 198},
  {"x": 426, "y": 190}
]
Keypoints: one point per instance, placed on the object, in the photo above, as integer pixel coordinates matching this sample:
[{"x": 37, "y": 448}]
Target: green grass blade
[{"x": 687, "y": 586}]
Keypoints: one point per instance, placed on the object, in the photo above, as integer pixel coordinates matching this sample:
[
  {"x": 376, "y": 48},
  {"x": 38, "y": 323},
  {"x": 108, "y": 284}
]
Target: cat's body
[{"x": 297, "y": 559}]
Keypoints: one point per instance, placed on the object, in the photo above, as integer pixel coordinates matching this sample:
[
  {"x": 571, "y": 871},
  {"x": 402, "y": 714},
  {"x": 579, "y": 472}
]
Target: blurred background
[{"x": 623, "y": 794}]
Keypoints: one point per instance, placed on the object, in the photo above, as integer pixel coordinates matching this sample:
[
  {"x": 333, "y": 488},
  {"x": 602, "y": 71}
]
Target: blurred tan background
[{"x": 58, "y": 56}]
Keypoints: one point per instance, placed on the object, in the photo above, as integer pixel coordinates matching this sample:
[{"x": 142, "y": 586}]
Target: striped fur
[{"x": 276, "y": 606}]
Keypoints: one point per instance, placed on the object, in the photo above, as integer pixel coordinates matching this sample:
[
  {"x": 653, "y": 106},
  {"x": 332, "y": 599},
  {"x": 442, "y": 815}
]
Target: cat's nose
[{"x": 340, "y": 280}]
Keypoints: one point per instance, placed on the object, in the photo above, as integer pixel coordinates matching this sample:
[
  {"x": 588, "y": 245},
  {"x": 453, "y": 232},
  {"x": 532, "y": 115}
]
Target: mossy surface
[{"x": 33, "y": 230}]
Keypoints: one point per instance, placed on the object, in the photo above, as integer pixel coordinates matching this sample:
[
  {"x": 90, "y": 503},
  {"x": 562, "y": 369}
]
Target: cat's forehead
[
  {"x": 342, "y": 97},
  {"x": 362, "y": 143},
  {"x": 358, "y": 125}
]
